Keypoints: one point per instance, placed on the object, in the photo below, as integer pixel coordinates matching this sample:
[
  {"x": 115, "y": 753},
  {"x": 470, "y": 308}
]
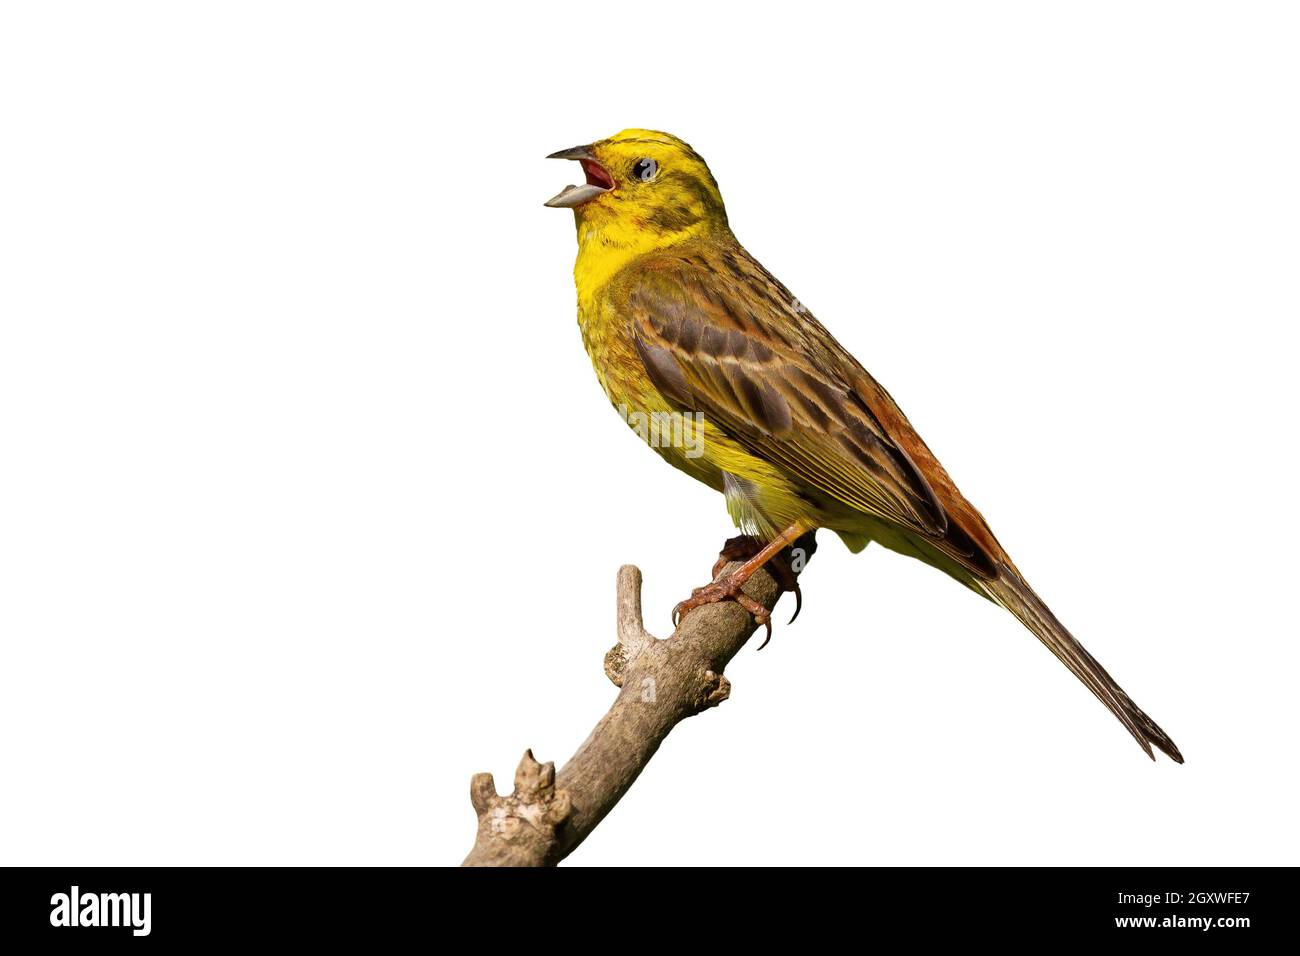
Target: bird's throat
[{"x": 607, "y": 247}]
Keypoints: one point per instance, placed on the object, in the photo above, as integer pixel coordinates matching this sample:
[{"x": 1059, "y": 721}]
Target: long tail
[{"x": 1010, "y": 590}]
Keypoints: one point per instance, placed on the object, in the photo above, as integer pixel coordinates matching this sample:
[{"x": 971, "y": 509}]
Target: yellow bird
[{"x": 732, "y": 380}]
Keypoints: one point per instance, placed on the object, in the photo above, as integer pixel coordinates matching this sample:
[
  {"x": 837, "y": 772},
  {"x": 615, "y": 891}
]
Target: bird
[{"x": 686, "y": 329}]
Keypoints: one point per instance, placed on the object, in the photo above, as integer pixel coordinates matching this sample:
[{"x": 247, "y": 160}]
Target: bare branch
[{"x": 662, "y": 682}]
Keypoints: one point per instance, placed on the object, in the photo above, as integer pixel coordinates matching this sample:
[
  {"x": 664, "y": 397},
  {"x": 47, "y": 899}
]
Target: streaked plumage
[{"x": 678, "y": 317}]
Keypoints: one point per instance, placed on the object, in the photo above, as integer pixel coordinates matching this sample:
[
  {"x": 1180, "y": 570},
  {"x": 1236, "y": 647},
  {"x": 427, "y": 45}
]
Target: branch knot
[
  {"x": 714, "y": 689},
  {"x": 633, "y": 638},
  {"x": 524, "y": 823}
]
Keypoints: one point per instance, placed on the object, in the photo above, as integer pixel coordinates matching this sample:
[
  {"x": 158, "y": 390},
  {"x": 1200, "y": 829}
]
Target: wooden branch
[{"x": 662, "y": 683}]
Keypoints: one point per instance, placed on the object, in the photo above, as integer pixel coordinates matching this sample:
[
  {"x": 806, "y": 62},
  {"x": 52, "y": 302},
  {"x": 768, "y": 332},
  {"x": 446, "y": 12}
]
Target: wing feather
[{"x": 726, "y": 346}]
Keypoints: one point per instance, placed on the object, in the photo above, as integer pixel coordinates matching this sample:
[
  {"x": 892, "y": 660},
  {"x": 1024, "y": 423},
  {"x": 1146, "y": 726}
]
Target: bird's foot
[
  {"x": 784, "y": 567},
  {"x": 727, "y": 589},
  {"x": 784, "y": 563}
]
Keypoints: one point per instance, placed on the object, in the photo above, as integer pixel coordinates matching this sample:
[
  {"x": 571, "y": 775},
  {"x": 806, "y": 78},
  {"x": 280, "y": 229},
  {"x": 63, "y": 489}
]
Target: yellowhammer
[{"x": 686, "y": 327}]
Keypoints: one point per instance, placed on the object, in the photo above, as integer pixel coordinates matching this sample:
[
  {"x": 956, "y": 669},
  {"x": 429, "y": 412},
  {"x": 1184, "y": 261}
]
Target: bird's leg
[
  {"x": 745, "y": 546},
  {"x": 729, "y": 587}
]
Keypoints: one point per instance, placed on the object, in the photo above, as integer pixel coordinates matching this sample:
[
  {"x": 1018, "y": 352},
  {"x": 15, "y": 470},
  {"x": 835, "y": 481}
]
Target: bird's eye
[{"x": 645, "y": 170}]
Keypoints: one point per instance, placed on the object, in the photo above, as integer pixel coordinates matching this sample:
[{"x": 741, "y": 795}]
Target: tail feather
[{"x": 1010, "y": 590}]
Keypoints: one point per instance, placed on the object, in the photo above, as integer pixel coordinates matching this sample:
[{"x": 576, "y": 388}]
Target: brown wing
[{"x": 731, "y": 343}]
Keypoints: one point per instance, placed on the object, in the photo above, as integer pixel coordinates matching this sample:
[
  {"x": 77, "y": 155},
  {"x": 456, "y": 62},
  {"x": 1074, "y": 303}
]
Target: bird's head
[{"x": 643, "y": 189}]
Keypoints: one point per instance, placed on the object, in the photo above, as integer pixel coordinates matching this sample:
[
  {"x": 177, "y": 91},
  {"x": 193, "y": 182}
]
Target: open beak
[{"x": 598, "y": 181}]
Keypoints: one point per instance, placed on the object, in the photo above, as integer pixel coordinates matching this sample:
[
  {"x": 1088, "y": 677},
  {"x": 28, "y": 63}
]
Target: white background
[{"x": 311, "y": 506}]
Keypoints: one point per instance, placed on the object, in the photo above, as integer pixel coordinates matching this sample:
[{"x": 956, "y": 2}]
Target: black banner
[{"x": 136, "y": 906}]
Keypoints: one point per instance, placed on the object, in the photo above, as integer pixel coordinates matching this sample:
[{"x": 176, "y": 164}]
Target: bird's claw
[
  {"x": 798, "y": 601},
  {"x": 743, "y": 547},
  {"x": 764, "y": 619},
  {"x": 724, "y": 590}
]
